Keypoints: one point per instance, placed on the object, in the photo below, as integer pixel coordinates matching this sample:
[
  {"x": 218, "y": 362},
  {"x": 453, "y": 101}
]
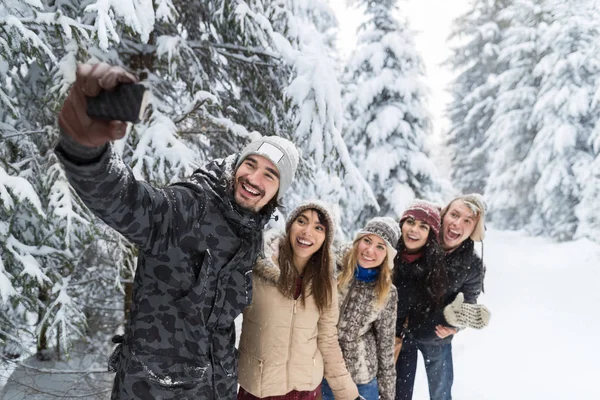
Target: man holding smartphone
[{"x": 197, "y": 242}]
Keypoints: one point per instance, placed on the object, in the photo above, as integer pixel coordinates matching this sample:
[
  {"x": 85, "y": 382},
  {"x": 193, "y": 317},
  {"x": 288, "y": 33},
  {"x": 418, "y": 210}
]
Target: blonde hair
[{"x": 350, "y": 264}]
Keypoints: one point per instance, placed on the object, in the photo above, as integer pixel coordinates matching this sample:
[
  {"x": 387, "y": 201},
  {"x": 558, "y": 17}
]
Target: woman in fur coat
[
  {"x": 289, "y": 337},
  {"x": 368, "y": 302}
]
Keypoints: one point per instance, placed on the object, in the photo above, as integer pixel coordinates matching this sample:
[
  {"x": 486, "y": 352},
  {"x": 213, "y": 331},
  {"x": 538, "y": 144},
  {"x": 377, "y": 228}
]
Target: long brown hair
[
  {"x": 318, "y": 275},
  {"x": 350, "y": 264}
]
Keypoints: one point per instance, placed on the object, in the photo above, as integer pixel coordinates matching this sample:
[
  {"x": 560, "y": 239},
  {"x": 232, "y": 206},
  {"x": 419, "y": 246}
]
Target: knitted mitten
[{"x": 461, "y": 315}]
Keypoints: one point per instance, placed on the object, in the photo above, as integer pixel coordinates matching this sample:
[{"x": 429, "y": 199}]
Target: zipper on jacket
[{"x": 290, "y": 342}]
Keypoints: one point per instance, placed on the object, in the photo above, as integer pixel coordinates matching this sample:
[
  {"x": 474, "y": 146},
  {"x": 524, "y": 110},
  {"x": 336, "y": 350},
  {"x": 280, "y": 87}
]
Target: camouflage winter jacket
[
  {"x": 196, "y": 249},
  {"x": 366, "y": 333}
]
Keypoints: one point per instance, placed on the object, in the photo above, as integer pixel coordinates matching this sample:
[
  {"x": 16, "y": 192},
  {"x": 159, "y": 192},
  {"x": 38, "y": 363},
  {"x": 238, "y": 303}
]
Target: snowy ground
[{"x": 542, "y": 337}]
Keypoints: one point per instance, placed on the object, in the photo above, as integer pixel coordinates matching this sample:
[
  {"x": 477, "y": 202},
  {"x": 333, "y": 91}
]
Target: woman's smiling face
[
  {"x": 307, "y": 234},
  {"x": 414, "y": 234},
  {"x": 371, "y": 251}
]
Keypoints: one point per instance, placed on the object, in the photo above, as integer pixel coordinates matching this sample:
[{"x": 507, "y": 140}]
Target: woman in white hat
[{"x": 368, "y": 302}]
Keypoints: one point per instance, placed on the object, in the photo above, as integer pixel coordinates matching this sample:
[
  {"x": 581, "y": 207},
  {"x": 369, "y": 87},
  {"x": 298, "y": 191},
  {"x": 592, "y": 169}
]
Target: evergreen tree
[
  {"x": 217, "y": 73},
  {"x": 538, "y": 116},
  {"x": 387, "y": 114},
  {"x": 474, "y": 91},
  {"x": 48, "y": 230},
  {"x": 509, "y": 137},
  {"x": 563, "y": 116}
]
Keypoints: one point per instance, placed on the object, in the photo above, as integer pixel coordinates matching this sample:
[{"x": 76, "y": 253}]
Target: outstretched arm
[
  {"x": 143, "y": 214},
  {"x": 147, "y": 216}
]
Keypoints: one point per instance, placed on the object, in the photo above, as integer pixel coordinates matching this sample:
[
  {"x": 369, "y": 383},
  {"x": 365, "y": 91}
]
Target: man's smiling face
[
  {"x": 458, "y": 224},
  {"x": 256, "y": 182}
]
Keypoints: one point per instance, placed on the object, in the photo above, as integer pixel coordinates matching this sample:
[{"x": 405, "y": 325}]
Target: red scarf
[{"x": 410, "y": 257}]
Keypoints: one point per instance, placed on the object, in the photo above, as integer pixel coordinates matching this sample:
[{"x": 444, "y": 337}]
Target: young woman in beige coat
[{"x": 289, "y": 338}]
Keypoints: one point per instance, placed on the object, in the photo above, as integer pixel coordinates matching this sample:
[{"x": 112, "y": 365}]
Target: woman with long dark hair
[
  {"x": 289, "y": 338},
  {"x": 422, "y": 282}
]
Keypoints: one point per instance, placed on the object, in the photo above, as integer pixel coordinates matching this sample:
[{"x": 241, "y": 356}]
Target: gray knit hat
[
  {"x": 281, "y": 152},
  {"x": 387, "y": 229},
  {"x": 477, "y": 204},
  {"x": 324, "y": 209}
]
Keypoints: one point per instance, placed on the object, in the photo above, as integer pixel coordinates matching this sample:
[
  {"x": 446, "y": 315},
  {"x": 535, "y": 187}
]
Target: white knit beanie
[{"x": 281, "y": 152}]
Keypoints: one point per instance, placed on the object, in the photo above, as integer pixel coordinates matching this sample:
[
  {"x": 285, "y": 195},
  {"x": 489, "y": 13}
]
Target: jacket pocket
[
  {"x": 192, "y": 300},
  {"x": 250, "y": 370},
  {"x": 169, "y": 372}
]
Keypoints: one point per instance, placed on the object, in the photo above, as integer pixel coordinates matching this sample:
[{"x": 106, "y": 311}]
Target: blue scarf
[{"x": 367, "y": 275}]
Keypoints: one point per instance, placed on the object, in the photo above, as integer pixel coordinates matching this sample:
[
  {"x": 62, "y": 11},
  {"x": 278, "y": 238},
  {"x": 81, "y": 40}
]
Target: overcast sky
[{"x": 431, "y": 19}]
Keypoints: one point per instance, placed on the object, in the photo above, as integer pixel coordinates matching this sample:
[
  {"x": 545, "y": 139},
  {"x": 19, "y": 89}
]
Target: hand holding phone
[
  {"x": 92, "y": 81},
  {"x": 127, "y": 102}
]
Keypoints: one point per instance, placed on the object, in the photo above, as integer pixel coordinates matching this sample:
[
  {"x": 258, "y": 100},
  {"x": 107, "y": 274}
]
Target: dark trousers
[{"x": 438, "y": 365}]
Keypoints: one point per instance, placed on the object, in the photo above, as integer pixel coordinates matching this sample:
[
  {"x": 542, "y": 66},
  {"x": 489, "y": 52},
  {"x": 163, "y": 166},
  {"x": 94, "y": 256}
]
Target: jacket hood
[{"x": 266, "y": 266}]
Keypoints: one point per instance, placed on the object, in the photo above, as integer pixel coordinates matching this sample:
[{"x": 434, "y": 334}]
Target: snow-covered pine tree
[
  {"x": 225, "y": 79},
  {"x": 540, "y": 144},
  {"x": 509, "y": 137},
  {"x": 197, "y": 112},
  {"x": 587, "y": 209},
  {"x": 48, "y": 231},
  {"x": 386, "y": 113},
  {"x": 300, "y": 32},
  {"x": 474, "y": 91},
  {"x": 43, "y": 225},
  {"x": 564, "y": 116}
]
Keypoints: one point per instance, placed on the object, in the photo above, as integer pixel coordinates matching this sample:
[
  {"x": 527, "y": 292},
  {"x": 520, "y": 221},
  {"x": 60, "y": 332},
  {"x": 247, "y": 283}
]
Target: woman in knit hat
[
  {"x": 368, "y": 310},
  {"x": 289, "y": 335},
  {"x": 422, "y": 282}
]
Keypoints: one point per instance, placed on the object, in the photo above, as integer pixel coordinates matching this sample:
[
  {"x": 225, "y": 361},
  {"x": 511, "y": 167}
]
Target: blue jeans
[
  {"x": 370, "y": 391},
  {"x": 438, "y": 365}
]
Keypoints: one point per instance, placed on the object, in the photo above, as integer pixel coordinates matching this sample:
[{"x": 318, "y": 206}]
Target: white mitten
[{"x": 461, "y": 315}]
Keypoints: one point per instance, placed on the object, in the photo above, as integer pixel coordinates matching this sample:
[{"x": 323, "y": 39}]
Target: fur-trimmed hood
[{"x": 266, "y": 266}]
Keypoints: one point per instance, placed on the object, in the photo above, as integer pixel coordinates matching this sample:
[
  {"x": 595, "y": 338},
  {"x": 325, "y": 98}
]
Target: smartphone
[{"x": 127, "y": 102}]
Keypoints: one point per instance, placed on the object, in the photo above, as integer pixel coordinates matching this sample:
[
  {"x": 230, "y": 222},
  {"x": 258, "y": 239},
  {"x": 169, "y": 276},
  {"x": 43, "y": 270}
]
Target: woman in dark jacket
[{"x": 422, "y": 282}]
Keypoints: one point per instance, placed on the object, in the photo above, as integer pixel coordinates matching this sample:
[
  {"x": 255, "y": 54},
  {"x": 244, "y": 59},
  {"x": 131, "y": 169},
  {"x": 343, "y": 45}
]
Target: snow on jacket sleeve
[
  {"x": 337, "y": 375},
  {"x": 147, "y": 216},
  {"x": 385, "y": 327}
]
